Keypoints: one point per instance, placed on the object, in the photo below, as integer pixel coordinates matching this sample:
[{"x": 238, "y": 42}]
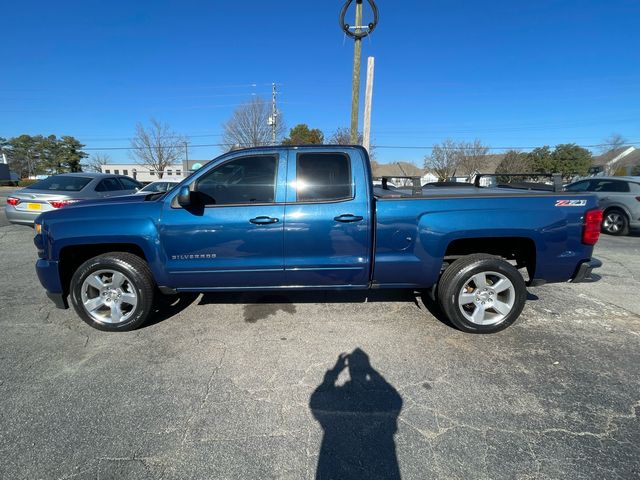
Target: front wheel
[
  {"x": 481, "y": 293},
  {"x": 113, "y": 292}
]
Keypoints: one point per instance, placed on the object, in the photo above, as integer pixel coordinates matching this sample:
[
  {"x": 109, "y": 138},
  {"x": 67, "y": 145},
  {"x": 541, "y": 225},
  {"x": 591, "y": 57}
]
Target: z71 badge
[{"x": 571, "y": 203}]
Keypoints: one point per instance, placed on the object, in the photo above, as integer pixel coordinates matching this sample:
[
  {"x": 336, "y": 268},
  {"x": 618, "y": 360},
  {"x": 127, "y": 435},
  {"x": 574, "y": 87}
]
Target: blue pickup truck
[{"x": 309, "y": 217}]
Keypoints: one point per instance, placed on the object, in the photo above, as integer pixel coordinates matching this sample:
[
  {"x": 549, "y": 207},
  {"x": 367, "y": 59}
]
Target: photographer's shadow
[{"x": 359, "y": 419}]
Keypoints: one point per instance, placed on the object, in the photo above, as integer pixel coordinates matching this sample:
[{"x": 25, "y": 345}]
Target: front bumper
[
  {"x": 59, "y": 299},
  {"x": 583, "y": 273},
  {"x": 49, "y": 277}
]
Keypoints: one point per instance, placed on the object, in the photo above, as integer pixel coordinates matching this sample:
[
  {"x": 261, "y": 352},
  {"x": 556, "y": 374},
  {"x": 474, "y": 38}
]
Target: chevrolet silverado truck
[{"x": 309, "y": 217}]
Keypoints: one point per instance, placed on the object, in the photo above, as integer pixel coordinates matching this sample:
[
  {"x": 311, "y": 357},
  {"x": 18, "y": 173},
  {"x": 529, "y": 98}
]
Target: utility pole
[
  {"x": 274, "y": 113},
  {"x": 368, "y": 94},
  {"x": 186, "y": 157},
  {"x": 359, "y": 32},
  {"x": 355, "y": 86}
]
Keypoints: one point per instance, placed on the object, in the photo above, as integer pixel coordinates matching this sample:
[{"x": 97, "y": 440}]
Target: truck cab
[{"x": 271, "y": 218}]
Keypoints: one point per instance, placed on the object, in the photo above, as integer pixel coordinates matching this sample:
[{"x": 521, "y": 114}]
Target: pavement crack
[
  {"x": 205, "y": 397},
  {"x": 620, "y": 264}
]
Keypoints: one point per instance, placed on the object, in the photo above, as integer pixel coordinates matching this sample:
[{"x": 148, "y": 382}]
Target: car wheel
[
  {"x": 481, "y": 293},
  {"x": 113, "y": 292},
  {"x": 615, "y": 222}
]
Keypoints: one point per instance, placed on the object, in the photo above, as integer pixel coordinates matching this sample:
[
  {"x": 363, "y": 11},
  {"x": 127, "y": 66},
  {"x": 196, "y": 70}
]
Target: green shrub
[{"x": 26, "y": 182}]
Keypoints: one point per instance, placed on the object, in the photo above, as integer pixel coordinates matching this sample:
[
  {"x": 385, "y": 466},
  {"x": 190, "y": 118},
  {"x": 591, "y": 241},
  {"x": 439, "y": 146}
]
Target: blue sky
[{"x": 511, "y": 73}]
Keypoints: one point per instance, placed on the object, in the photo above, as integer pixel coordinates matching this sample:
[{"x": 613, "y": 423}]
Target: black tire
[
  {"x": 461, "y": 272},
  {"x": 138, "y": 280},
  {"x": 615, "y": 222}
]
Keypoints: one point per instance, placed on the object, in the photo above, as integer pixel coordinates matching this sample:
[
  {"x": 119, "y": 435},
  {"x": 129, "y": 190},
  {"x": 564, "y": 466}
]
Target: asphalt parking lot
[{"x": 253, "y": 386}]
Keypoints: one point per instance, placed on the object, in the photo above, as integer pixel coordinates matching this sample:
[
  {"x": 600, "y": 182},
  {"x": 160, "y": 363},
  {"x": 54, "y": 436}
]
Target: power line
[
  {"x": 416, "y": 147},
  {"x": 110, "y": 139},
  {"x": 513, "y": 147}
]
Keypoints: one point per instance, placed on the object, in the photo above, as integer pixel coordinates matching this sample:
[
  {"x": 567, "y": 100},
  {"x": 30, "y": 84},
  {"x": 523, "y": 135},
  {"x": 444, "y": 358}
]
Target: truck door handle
[
  {"x": 347, "y": 218},
  {"x": 264, "y": 220}
]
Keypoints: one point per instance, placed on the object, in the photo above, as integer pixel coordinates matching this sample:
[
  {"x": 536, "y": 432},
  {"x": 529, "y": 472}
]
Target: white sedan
[{"x": 160, "y": 186}]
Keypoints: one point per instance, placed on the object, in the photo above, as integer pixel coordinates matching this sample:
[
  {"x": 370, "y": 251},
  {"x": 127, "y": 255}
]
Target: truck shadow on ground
[
  {"x": 260, "y": 305},
  {"x": 359, "y": 419},
  {"x": 167, "y": 306}
]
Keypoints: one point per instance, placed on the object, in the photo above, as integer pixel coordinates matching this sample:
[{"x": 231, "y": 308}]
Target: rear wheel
[
  {"x": 113, "y": 292},
  {"x": 615, "y": 222},
  {"x": 481, "y": 293}
]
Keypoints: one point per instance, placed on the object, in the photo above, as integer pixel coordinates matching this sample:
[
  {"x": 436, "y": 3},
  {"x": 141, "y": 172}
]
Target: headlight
[{"x": 38, "y": 228}]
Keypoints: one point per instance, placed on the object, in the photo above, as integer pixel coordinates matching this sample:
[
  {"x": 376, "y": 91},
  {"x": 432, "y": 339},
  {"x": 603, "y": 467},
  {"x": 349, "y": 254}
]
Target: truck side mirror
[{"x": 184, "y": 197}]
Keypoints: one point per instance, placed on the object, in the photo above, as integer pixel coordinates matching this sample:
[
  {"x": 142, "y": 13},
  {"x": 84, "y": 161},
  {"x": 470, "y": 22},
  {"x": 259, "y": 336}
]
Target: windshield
[{"x": 61, "y": 183}]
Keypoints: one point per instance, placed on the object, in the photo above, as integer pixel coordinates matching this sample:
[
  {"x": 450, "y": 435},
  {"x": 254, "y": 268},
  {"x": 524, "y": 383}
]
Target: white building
[{"x": 141, "y": 173}]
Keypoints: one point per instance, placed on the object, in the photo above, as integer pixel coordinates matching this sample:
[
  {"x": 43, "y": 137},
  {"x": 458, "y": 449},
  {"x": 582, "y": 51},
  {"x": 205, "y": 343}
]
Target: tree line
[
  {"x": 450, "y": 158},
  {"x": 30, "y": 155}
]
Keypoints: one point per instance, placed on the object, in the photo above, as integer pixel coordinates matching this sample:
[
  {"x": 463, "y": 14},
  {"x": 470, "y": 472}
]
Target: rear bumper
[
  {"x": 583, "y": 273},
  {"x": 20, "y": 217}
]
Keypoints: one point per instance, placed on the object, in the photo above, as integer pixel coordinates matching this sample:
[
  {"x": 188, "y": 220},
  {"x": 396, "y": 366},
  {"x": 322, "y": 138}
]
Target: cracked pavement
[{"x": 221, "y": 386}]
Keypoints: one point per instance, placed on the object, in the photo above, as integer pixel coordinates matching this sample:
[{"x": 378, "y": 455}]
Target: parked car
[
  {"x": 56, "y": 191},
  {"x": 309, "y": 217},
  {"x": 160, "y": 186},
  {"x": 619, "y": 198}
]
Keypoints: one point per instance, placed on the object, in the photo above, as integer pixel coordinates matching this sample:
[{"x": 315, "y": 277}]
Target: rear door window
[
  {"x": 618, "y": 186},
  {"x": 323, "y": 177},
  {"x": 109, "y": 185}
]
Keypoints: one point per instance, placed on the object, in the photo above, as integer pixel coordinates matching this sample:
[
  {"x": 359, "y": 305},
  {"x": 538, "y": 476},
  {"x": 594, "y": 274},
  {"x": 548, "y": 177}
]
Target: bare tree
[
  {"x": 342, "y": 136},
  {"x": 249, "y": 126},
  {"x": 157, "y": 147},
  {"x": 444, "y": 159},
  {"x": 472, "y": 156},
  {"x": 515, "y": 162},
  {"x": 613, "y": 142},
  {"x": 97, "y": 161}
]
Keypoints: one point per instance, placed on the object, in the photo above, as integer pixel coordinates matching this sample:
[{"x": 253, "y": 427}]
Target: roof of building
[
  {"x": 629, "y": 159},
  {"x": 489, "y": 164},
  {"x": 396, "y": 169}
]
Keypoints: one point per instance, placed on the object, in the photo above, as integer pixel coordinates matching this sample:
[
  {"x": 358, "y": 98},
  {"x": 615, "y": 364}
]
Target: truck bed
[{"x": 418, "y": 231}]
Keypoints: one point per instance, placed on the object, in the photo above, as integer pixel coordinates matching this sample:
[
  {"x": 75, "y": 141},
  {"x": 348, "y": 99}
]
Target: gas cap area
[{"x": 402, "y": 239}]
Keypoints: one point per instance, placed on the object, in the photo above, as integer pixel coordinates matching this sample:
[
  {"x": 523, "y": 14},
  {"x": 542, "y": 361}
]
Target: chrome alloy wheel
[
  {"x": 613, "y": 222},
  {"x": 108, "y": 296},
  {"x": 487, "y": 298}
]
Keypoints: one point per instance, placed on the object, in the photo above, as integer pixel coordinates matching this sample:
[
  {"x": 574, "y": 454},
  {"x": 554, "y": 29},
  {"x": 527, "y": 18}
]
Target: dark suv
[{"x": 619, "y": 198}]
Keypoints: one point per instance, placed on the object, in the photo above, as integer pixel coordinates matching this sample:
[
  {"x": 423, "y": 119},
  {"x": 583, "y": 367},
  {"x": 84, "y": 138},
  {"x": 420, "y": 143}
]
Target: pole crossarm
[{"x": 359, "y": 31}]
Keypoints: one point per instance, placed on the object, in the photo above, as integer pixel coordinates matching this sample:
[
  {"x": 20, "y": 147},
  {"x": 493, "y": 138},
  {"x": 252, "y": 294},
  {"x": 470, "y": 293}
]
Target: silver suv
[{"x": 619, "y": 198}]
